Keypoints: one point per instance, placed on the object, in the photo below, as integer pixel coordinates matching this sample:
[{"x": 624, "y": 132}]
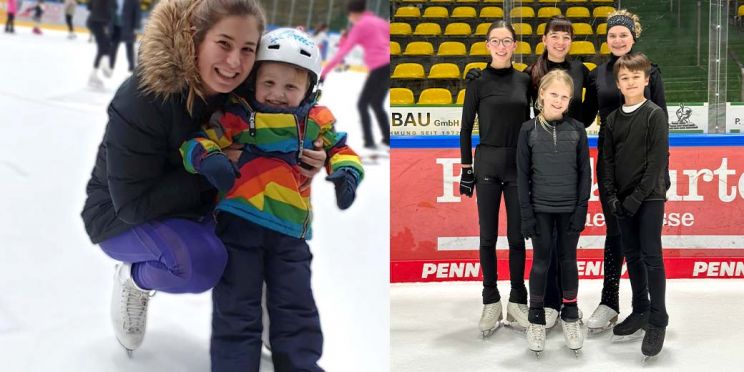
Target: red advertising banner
[{"x": 434, "y": 231}]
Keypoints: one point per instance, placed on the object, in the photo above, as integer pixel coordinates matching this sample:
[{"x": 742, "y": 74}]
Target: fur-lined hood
[{"x": 167, "y": 53}]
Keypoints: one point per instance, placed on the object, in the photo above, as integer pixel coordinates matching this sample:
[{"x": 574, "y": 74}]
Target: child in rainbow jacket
[{"x": 263, "y": 215}]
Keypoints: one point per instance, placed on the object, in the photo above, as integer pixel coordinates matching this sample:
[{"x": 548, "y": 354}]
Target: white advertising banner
[{"x": 734, "y": 117}]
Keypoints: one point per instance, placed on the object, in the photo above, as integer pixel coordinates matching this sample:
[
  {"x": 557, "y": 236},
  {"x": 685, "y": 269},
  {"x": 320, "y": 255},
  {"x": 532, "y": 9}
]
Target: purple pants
[{"x": 173, "y": 255}]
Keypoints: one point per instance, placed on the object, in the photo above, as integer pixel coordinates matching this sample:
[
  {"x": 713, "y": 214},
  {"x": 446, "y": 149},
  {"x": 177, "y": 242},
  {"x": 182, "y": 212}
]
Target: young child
[
  {"x": 636, "y": 157},
  {"x": 11, "y": 8},
  {"x": 553, "y": 181},
  {"x": 38, "y": 10},
  {"x": 264, "y": 216}
]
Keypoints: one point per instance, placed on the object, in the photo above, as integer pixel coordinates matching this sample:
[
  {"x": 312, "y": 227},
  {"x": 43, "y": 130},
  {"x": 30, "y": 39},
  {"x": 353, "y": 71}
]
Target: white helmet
[{"x": 291, "y": 46}]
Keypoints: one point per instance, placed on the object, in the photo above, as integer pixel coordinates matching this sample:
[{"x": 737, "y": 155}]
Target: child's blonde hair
[{"x": 557, "y": 75}]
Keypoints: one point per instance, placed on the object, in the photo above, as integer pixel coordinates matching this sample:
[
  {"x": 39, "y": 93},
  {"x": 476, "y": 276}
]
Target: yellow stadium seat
[
  {"x": 408, "y": 71},
  {"x": 472, "y": 65},
  {"x": 539, "y": 48},
  {"x": 522, "y": 29},
  {"x": 582, "y": 29},
  {"x": 604, "y": 49},
  {"x": 394, "y": 48},
  {"x": 463, "y": 12},
  {"x": 440, "y": 1},
  {"x": 401, "y": 96},
  {"x": 522, "y": 12},
  {"x": 579, "y": 1},
  {"x": 435, "y": 96},
  {"x": 413, "y": 1},
  {"x": 444, "y": 71},
  {"x": 602, "y": 29},
  {"x": 467, "y": 1},
  {"x": 523, "y": 48},
  {"x": 478, "y": 48},
  {"x": 435, "y": 12},
  {"x": 554, "y": 2},
  {"x": 460, "y": 97},
  {"x": 400, "y": 29},
  {"x": 582, "y": 48},
  {"x": 427, "y": 29},
  {"x": 590, "y": 66},
  {"x": 408, "y": 12},
  {"x": 419, "y": 48},
  {"x": 602, "y": 11},
  {"x": 458, "y": 29},
  {"x": 603, "y": 1},
  {"x": 491, "y": 12},
  {"x": 524, "y": 1},
  {"x": 548, "y": 12},
  {"x": 740, "y": 13},
  {"x": 577, "y": 12},
  {"x": 451, "y": 48},
  {"x": 493, "y": 1},
  {"x": 481, "y": 29},
  {"x": 519, "y": 66},
  {"x": 540, "y": 29}
]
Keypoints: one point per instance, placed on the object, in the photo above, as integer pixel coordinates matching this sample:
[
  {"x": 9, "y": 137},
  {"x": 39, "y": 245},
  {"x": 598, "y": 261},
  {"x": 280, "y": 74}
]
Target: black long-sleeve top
[
  {"x": 585, "y": 111},
  {"x": 635, "y": 154},
  {"x": 500, "y": 97}
]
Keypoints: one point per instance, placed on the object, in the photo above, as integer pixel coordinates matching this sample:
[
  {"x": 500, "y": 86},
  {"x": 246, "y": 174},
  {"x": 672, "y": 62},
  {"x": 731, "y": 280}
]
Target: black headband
[{"x": 622, "y": 20}]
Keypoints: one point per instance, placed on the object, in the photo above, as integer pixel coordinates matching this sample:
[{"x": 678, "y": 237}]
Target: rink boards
[{"x": 434, "y": 231}]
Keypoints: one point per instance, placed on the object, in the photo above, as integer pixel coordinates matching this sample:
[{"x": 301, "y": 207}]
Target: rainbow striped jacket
[{"x": 268, "y": 190}]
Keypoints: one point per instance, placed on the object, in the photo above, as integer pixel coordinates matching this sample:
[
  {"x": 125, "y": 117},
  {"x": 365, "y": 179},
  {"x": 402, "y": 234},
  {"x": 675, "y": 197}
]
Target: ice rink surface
[
  {"x": 434, "y": 327},
  {"x": 55, "y": 286}
]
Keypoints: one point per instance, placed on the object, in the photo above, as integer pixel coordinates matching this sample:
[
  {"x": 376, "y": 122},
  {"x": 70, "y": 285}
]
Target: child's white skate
[
  {"x": 128, "y": 309},
  {"x": 603, "y": 318},
  {"x": 573, "y": 335},
  {"x": 551, "y": 318},
  {"x": 490, "y": 319},
  {"x": 516, "y": 317},
  {"x": 536, "y": 338}
]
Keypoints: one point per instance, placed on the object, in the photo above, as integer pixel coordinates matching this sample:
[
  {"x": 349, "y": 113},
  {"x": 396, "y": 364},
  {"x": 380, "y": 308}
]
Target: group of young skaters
[{"x": 541, "y": 166}]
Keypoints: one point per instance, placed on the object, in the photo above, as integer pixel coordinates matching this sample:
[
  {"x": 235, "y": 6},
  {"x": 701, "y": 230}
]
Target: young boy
[
  {"x": 636, "y": 156},
  {"x": 264, "y": 216}
]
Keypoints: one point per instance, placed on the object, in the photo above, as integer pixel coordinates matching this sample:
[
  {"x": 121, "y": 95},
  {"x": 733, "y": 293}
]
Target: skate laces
[
  {"x": 135, "y": 308},
  {"x": 571, "y": 329}
]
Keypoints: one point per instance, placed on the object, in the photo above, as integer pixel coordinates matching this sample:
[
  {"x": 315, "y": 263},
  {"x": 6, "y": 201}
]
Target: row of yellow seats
[
  {"x": 434, "y": 12},
  {"x": 740, "y": 12},
  {"x": 449, "y": 70},
  {"x": 502, "y": 1},
  {"x": 478, "y": 48},
  {"x": 463, "y": 29},
  {"x": 430, "y": 96}
]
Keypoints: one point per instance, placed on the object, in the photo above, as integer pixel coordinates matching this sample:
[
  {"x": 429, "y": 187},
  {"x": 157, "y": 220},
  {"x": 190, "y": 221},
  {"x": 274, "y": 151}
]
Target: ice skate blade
[
  {"x": 515, "y": 327},
  {"x": 538, "y": 353},
  {"x": 628, "y": 338},
  {"x": 577, "y": 352},
  {"x": 648, "y": 359},
  {"x": 487, "y": 333},
  {"x": 599, "y": 331}
]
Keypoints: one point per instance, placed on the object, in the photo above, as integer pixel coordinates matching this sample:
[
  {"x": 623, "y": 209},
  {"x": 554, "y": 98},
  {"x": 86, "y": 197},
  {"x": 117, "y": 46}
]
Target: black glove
[
  {"x": 577, "y": 221},
  {"x": 467, "y": 182},
  {"x": 616, "y": 208},
  {"x": 345, "y": 180},
  {"x": 630, "y": 206},
  {"x": 529, "y": 227},
  {"x": 219, "y": 171},
  {"x": 473, "y": 74}
]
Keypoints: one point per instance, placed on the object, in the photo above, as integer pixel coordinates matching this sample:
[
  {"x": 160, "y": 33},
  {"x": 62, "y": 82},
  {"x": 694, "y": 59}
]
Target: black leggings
[
  {"x": 68, "y": 19},
  {"x": 542, "y": 245},
  {"x": 103, "y": 41},
  {"x": 10, "y": 23},
  {"x": 493, "y": 180},
  {"x": 641, "y": 235},
  {"x": 373, "y": 95},
  {"x": 613, "y": 250}
]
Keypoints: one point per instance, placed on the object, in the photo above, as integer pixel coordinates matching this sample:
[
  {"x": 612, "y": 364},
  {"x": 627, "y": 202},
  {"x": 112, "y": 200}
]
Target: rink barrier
[{"x": 434, "y": 231}]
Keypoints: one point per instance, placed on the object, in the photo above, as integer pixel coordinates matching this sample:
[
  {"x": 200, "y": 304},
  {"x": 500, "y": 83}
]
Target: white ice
[
  {"x": 434, "y": 327},
  {"x": 55, "y": 285}
]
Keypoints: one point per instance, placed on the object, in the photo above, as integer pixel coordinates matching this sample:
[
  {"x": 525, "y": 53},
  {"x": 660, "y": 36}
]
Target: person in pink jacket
[
  {"x": 10, "y": 22},
  {"x": 372, "y": 33}
]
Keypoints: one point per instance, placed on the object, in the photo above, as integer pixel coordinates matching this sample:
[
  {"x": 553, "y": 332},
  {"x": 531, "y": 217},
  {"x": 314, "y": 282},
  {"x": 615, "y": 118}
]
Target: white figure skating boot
[
  {"x": 106, "y": 68},
  {"x": 551, "y": 317},
  {"x": 602, "y": 319},
  {"x": 516, "y": 316},
  {"x": 128, "y": 309},
  {"x": 573, "y": 335},
  {"x": 536, "y": 338},
  {"x": 490, "y": 319},
  {"x": 94, "y": 81}
]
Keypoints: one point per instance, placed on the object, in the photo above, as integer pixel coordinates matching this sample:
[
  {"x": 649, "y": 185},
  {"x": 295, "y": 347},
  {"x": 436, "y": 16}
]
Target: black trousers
[
  {"x": 10, "y": 23},
  {"x": 543, "y": 252},
  {"x": 116, "y": 39},
  {"x": 641, "y": 235},
  {"x": 68, "y": 20},
  {"x": 613, "y": 252},
  {"x": 496, "y": 176},
  {"x": 373, "y": 96},
  {"x": 103, "y": 41}
]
